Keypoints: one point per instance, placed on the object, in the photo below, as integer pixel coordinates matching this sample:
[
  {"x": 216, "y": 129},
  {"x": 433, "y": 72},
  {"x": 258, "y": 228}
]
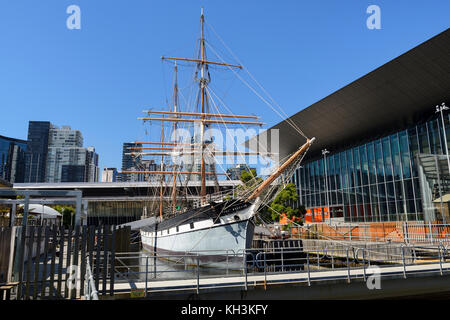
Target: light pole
[
  {"x": 441, "y": 108},
  {"x": 324, "y": 153}
]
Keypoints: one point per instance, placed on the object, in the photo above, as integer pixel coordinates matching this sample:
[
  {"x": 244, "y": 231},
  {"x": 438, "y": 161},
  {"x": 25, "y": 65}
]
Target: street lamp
[
  {"x": 324, "y": 153},
  {"x": 441, "y": 108}
]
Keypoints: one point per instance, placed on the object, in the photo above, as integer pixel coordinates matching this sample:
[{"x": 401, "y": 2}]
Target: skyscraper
[
  {"x": 67, "y": 159},
  {"x": 37, "y": 148},
  {"x": 109, "y": 175},
  {"x": 91, "y": 165},
  {"x": 130, "y": 163},
  {"x": 12, "y": 159},
  {"x": 65, "y": 148}
]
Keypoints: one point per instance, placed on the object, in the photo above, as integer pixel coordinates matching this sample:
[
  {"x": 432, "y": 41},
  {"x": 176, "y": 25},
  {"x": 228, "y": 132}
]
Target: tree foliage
[
  {"x": 249, "y": 180},
  {"x": 282, "y": 204},
  {"x": 68, "y": 213}
]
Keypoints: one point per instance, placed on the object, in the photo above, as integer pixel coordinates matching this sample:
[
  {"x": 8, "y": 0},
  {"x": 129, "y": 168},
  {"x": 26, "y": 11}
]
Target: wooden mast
[
  {"x": 203, "y": 93},
  {"x": 197, "y": 114},
  {"x": 174, "y": 181},
  {"x": 162, "y": 178},
  {"x": 202, "y": 116}
]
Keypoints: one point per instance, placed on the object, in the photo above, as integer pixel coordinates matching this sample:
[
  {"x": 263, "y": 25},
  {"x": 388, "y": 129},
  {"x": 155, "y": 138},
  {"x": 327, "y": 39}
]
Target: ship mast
[
  {"x": 162, "y": 178},
  {"x": 175, "y": 102},
  {"x": 203, "y": 84},
  {"x": 202, "y": 64},
  {"x": 202, "y": 117}
]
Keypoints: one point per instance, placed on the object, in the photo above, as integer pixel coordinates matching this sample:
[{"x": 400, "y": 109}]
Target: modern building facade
[
  {"x": 73, "y": 173},
  {"x": 109, "y": 175},
  {"x": 92, "y": 170},
  {"x": 131, "y": 163},
  {"x": 379, "y": 180},
  {"x": 381, "y": 149},
  {"x": 37, "y": 148},
  {"x": 57, "y": 155},
  {"x": 12, "y": 159},
  {"x": 65, "y": 148}
]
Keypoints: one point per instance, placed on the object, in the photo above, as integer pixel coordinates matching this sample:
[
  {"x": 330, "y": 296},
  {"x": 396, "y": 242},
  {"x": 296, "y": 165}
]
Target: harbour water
[{"x": 176, "y": 269}]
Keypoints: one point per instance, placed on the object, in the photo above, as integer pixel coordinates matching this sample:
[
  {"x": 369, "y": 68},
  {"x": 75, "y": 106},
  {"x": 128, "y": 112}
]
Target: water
[{"x": 175, "y": 269}]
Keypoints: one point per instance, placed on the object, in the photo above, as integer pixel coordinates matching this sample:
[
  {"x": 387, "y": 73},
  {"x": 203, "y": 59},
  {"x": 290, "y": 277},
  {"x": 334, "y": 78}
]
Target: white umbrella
[{"x": 45, "y": 211}]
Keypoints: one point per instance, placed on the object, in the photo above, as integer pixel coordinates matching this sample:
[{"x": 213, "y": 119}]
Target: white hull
[{"x": 215, "y": 244}]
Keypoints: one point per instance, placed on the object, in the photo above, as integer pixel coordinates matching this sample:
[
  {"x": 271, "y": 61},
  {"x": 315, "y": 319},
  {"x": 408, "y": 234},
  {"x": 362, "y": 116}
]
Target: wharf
[{"x": 296, "y": 284}]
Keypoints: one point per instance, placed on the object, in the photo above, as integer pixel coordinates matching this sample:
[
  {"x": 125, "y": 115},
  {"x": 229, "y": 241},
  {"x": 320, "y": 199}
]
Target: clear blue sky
[{"x": 99, "y": 79}]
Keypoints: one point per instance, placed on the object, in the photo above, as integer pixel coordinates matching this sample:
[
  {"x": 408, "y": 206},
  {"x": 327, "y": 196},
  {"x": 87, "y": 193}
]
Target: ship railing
[
  {"x": 259, "y": 266},
  {"x": 216, "y": 197}
]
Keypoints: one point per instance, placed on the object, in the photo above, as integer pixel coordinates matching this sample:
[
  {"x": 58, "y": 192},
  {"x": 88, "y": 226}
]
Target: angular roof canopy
[{"x": 385, "y": 100}]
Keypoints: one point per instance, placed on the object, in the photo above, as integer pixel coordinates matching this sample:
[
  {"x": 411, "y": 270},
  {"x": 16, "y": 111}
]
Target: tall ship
[{"x": 218, "y": 227}]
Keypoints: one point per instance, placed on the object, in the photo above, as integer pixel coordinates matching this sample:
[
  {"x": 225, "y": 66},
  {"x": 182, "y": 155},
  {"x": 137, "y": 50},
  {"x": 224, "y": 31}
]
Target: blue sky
[{"x": 99, "y": 79}]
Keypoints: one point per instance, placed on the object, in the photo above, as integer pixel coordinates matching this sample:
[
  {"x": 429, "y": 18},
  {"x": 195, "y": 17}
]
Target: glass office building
[
  {"x": 380, "y": 148},
  {"x": 379, "y": 180},
  {"x": 12, "y": 159},
  {"x": 37, "y": 148}
]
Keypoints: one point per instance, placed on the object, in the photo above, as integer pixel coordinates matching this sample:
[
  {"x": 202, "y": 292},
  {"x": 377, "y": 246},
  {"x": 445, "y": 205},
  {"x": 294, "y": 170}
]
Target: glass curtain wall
[{"x": 375, "y": 181}]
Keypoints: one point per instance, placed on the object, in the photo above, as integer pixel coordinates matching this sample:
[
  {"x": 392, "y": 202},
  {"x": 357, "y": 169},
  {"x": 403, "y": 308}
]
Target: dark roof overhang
[{"x": 393, "y": 96}]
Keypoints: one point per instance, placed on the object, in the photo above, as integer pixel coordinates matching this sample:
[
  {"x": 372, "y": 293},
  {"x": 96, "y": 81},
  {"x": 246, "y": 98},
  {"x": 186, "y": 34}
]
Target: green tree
[
  {"x": 249, "y": 180},
  {"x": 282, "y": 204},
  {"x": 68, "y": 214}
]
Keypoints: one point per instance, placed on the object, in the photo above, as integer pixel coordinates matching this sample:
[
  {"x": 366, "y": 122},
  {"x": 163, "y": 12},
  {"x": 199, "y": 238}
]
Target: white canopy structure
[{"x": 44, "y": 211}]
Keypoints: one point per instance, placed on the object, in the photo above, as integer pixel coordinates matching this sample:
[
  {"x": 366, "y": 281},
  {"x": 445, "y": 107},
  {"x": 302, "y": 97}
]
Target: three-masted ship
[{"x": 221, "y": 227}]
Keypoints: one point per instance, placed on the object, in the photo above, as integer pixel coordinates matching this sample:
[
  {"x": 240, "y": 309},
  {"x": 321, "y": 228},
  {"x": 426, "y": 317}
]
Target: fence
[
  {"x": 404, "y": 232},
  {"x": 263, "y": 266},
  {"x": 50, "y": 262}
]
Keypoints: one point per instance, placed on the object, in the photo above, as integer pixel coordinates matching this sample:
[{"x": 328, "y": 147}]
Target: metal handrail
[
  {"x": 271, "y": 261},
  {"x": 90, "y": 291}
]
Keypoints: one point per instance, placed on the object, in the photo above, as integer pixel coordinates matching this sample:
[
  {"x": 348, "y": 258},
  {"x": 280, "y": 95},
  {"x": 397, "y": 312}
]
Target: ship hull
[{"x": 220, "y": 243}]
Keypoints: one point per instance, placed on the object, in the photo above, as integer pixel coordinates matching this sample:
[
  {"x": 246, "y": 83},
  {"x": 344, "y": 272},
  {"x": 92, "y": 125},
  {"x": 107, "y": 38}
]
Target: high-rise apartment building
[
  {"x": 92, "y": 171},
  {"x": 130, "y": 163},
  {"x": 65, "y": 148},
  {"x": 109, "y": 175}
]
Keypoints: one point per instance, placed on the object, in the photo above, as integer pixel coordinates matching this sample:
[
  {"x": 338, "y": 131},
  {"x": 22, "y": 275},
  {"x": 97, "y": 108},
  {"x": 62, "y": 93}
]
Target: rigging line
[
  {"x": 215, "y": 106},
  {"x": 260, "y": 146},
  {"x": 257, "y": 83},
  {"x": 239, "y": 154},
  {"x": 289, "y": 121},
  {"x": 246, "y": 69},
  {"x": 289, "y": 173}
]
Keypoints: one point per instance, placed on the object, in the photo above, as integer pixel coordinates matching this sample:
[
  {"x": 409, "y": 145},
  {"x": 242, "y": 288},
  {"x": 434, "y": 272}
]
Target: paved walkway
[{"x": 278, "y": 278}]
